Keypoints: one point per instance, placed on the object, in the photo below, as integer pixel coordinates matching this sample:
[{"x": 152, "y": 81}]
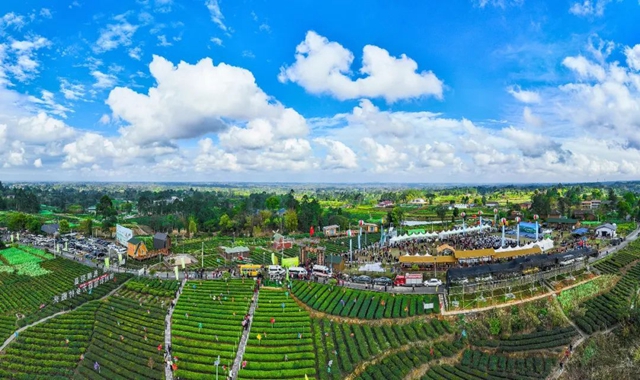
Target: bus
[{"x": 250, "y": 270}]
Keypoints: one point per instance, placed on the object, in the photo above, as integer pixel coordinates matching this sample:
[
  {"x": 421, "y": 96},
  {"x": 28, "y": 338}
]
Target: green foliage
[{"x": 494, "y": 326}]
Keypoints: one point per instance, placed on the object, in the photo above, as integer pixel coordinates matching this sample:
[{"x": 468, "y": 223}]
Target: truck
[{"x": 409, "y": 279}]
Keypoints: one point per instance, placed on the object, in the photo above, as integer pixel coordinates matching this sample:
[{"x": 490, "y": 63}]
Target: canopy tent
[
  {"x": 372, "y": 267},
  {"x": 427, "y": 259},
  {"x": 441, "y": 235},
  {"x": 444, "y": 248},
  {"x": 535, "y": 250}
]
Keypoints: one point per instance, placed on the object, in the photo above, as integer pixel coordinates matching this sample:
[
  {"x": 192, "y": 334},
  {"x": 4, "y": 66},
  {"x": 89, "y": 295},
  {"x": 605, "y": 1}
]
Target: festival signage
[{"x": 123, "y": 234}]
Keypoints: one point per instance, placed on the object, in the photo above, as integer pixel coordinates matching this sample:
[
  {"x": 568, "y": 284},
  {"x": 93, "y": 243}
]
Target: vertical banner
[
  {"x": 120, "y": 258},
  {"x": 182, "y": 262},
  {"x": 106, "y": 263},
  {"x": 175, "y": 270}
]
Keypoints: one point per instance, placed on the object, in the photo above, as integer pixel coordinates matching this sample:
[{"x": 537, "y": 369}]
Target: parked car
[
  {"x": 461, "y": 281},
  {"x": 433, "y": 282},
  {"x": 362, "y": 279},
  {"x": 382, "y": 281}
]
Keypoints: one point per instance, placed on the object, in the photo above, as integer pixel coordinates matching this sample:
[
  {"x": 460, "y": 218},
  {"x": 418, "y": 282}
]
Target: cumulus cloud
[
  {"x": 585, "y": 68},
  {"x": 339, "y": 156},
  {"x": 633, "y": 57},
  {"x": 103, "y": 80},
  {"x": 71, "y": 91},
  {"x": 384, "y": 157},
  {"x": 116, "y": 34},
  {"x": 323, "y": 67},
  {"x": 589, "y": 8},
  {"x": 37, "y": 163},
  {"x": 18, "y": 58},
  {"x": 191, "y": 100},
  {"x": 523, "y": 95},
  {"x": 530, "y": 118},
  {"x": 530, "y": 144}
]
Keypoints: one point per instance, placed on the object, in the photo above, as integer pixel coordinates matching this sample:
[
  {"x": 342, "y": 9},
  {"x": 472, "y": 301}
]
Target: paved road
[
  {"x": 243, "y": 341},
  {"x": 167, "y": 333}
]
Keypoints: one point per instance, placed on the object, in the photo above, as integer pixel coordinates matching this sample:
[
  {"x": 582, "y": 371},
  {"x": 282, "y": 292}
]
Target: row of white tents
[
  {"x": 440, "y": 235},
  {"x": 544, "y": 245}
]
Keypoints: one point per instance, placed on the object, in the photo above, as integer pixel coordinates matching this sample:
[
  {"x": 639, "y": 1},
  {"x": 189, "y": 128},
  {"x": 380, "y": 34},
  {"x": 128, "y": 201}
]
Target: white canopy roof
[{"x": 442, "y": 234}]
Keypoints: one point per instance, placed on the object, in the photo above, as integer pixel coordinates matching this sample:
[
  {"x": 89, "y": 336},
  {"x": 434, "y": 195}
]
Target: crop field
[
  {"x": 219, "y": 307},
  {"x": 15, "y": 256},
  {"x": 125, "y": 332},
  {"x": 348, "y": 344},
  {"x": 363, "y": 304},
  {"x": 52, "y": 349},
  {"x": 285, "y": 348},
  {"x": 7, "y": 327},
  {"x": 535, "y": 341},
  {"x": 25, "y": 294},
  {"x": 151, "y": 291},
  {"x": 476, "y": 365},
  {"x": 398, "y": 365},
  {"x": 570, "y": 299},
  {"x": 607, "y": 309}
]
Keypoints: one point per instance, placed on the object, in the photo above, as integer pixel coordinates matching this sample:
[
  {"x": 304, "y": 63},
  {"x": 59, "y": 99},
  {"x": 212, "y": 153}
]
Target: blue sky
[{"x": 206, "y": 90}]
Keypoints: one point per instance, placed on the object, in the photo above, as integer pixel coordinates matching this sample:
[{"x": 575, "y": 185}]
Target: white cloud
[
  {"x": 70, "y": 90},
  {"x": 41, "y": 129},
  {"x": 18, "y": 57},
  {"x": 248, "y": 54},
  {"x": 322, "y": 67},
  {"x": 12, "y": 19},
  {"x": 211, "y": 158},
  {"x": 135, "y": 53},
  {"x": 339, "y": 156},
  {"x": 385, "y": 157},
  {"x": 162, "y": 41},
  {"x": 216, "y": 41},
  {"x": 45, "y": 13},
  {"x": 216, "y": 14},
  {"x": 523, "y": 95},
  {"x": 497, "y": 3},
  {"x": 584, "y": 67},
  {"x": 530, "y": 118},
  {"x": 105, "y": 119},
  {"x": 589, "y": 7},
  {"x": 103, "y": 80},
  {"x": 531, "y": 144},
  {"x": 37, "y": 163},
  {"x": 114, "y": 35},
  {"x": 633, "y": 57},
  {"x": 48, "y": 102},
  {"x": 191, "y": 100}
]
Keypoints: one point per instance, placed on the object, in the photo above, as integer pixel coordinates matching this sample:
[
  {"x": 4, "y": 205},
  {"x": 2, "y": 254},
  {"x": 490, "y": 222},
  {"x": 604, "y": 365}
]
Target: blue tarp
[{"x": 580, "y": 232}]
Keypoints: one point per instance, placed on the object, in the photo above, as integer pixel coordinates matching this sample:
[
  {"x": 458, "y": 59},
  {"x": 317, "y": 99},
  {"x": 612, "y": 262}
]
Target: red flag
[
  {"x": 174, "y": 366},
  {"x": 159, "y": 347},
  {"x": 311, "y": 231}
]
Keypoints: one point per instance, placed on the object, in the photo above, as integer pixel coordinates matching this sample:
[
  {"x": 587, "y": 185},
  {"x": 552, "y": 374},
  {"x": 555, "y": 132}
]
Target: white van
[
  {"x": 567, "y": 260},
  {"x": 275, "y": 270},
  {"x": 297, "y": 271},
  {"x": 321, "y": 271}
]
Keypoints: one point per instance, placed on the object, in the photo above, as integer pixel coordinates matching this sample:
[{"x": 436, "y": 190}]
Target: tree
[
  {"x": 86, "y": 226},
  {"x": 105, "y": 207},
  {"x": 273, "y": 202},
  {"x": 225, "y": 223},
  {"x": 397, "y": 215},
  {"x": 441, "y": 211},
  {"x": 456, "y": 212},
  {"x": 193, "y": 226},
  {"x": 63, "y": 227},
  {"x": 290, "y": 220}
]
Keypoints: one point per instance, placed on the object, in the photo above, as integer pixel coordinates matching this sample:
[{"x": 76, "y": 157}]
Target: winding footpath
[
  {"x": 167, "y": 331},
  {"x": 243, "y": 341},
  {"x": 13, "y": 336}
]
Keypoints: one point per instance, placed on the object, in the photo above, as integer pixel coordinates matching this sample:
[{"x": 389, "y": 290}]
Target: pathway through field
[
  {"x": 245, "y": 338},
  {"x": 167, "y": 332},
  {"x": 13, "y": 336}
]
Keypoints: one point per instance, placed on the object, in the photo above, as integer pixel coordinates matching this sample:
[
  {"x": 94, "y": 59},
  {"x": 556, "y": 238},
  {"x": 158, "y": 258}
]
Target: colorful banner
[
  {"x": 290, "y": 262},
  {"x": 175, "y": 270},
  {"x": 106, "y": 263},
  {"x": 274, "y": 259},
  {"x": 120, "y": 258},
  {"x": 182, "y": 262}
]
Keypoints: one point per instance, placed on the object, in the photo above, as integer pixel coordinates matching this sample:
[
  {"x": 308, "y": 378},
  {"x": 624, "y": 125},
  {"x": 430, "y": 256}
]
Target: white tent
[{"x": 373, "y": 267}]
